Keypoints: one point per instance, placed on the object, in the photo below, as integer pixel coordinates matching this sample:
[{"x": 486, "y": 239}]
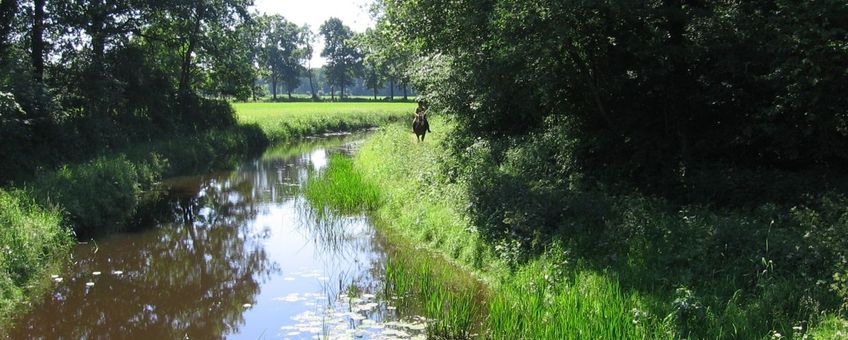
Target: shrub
[{"x": 101, "y": 195}]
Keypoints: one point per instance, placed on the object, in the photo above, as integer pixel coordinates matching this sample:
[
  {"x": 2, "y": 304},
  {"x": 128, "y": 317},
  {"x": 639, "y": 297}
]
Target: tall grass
[
  {"x": 583, "y": 304},
  {"x": 31, "y": 239},
  {"x": 286, "y": 121},
  {"x": 453, "y": 304},
  {"x": 340, "y": 187}
]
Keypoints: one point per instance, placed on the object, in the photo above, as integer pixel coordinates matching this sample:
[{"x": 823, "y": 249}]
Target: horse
[{"x": 420, "y": 125}]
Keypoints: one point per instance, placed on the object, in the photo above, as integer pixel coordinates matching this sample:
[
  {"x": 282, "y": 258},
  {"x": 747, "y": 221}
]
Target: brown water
[{"x": 236, "y": 255}]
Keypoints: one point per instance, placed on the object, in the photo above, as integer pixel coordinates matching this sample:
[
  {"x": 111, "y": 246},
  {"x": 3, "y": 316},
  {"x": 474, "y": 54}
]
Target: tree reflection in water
[{"x": 189, "y": 278}]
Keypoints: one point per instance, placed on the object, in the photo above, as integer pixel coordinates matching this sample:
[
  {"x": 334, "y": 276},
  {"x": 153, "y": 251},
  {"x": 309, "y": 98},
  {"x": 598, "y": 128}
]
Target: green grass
[
  {"x": 830, "y": 328},
  {"x": 453, "y": 303},
  {"x": 31, "y": 239},
  {"x": 339, "y": 187},
  {"x": 539, "y": 300},
  {"x": 286, "y": 121}
]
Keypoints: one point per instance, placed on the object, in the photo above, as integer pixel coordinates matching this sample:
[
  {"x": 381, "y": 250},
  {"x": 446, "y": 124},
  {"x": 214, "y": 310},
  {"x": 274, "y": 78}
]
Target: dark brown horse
[{"x": 420, "y": 125}]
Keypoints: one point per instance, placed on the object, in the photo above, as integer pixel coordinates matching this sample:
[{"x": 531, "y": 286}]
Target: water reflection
[{"x": 238, "y": 254}]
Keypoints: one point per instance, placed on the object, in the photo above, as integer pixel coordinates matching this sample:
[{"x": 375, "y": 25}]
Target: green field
[{"x": 285, "y": 121}]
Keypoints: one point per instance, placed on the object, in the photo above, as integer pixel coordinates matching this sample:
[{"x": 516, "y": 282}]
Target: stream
[{"x": 238, "y": 254}]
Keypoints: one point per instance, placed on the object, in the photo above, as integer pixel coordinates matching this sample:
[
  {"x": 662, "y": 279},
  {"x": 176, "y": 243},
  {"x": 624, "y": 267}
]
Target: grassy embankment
[
  {"x": 567, "y": 292},
  {"x": 523, "y": 302},
  {"x": 286, "y": 121},
  {"x": 31, "y": 237}
]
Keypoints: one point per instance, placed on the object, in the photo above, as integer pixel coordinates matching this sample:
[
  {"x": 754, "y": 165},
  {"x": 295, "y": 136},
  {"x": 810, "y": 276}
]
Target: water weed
[{"x": 340, "y": 187}]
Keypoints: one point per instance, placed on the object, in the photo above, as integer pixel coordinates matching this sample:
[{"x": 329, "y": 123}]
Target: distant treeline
[{"x": 361, "y": 63}]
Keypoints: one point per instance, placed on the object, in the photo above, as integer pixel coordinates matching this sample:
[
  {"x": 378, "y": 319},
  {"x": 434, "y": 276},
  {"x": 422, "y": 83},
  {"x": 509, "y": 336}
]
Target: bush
[{"x": 101, "y": 195}]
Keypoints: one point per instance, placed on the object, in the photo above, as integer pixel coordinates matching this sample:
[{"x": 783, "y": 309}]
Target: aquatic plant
[{"x": 339, "y": 186}]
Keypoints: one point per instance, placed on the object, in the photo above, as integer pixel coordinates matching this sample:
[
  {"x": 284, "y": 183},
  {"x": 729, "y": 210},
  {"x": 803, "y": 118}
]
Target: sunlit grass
[
  {"x": 541, "y": 300},
  {"x": 340, "y": 187},
  {"x": 31, "y": 238},
  {"x": 285, "y": 121},
  {"x": 453, "y": 304}
]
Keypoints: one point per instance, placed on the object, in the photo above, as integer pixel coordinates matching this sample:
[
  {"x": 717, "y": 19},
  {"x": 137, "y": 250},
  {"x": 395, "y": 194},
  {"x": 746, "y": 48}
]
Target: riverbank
[
  {"x": 656, "y": 285},
  {"x": 106, "y": 194}
]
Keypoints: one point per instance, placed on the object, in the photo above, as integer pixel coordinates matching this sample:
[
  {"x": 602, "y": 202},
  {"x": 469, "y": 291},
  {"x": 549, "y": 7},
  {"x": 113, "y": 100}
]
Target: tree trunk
[
  {"x": 405, "y": 97},
  {"x": 290, "y": 98},
  {"x": 185, "y": 74},
  {"x": 333, "y": 93},
  {"x": 375, "y": 93},
  {"x": 274, "y": 87},
  {"x": 38, "y": 41},
  {"x": 341, "y": 94},
  {"x": 392, "y": 88},
  {"x": 311, "y": 84}
]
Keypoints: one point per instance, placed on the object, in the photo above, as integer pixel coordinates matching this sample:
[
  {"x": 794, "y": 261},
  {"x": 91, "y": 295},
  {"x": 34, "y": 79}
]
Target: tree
[
  {"x": 375, "y": 66},
  {"x": 344, "y": 58},
  {"x": 308, "y": 40},
  {"x": 37, "y": 41},
  {"x": 282, "y": 53},
  {"x": 192, "y": 38},
  {"x": 389, "y": 53},
  {"x": 106, "y": 24}
]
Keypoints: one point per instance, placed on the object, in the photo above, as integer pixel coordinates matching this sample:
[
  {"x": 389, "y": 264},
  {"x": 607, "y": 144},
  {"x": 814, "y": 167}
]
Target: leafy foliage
[
  {"x": 648, "y": 88},
  {"x": 344, "y": 57}
]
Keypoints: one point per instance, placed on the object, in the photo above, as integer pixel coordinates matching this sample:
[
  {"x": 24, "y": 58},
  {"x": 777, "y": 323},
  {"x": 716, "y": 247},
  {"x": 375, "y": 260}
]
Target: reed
[{"x": 340, "y": 187}]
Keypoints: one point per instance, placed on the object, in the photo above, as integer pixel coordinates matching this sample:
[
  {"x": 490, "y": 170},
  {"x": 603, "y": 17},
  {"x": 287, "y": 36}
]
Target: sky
[{"x": 353, "y": 13}]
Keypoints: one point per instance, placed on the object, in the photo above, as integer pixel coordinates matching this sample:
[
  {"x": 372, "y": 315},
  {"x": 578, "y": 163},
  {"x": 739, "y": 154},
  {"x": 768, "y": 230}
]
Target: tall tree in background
[
  {"x": 282, "y": 53},
  {"x": 344, "y": 58},
  {"x": 308, "y": 40},
  {"x": 193, "y": 37},
  {"x": 105, "y": 26},
  {"x": 374, "y": 64},
  {"x": 389, "y": 53}
]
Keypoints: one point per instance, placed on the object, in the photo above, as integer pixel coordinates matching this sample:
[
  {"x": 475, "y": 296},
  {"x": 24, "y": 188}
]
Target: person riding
[{"x": 421, "y": 114}]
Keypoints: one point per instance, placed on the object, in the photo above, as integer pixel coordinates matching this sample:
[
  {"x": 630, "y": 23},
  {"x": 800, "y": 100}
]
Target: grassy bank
[
  {"x": 621, "y": 265},
  {"x": 106, "y": 194},
  {"x": 540, "y": 299},
  {"x": 286, "y": 121},
  {"x": 31, "y": 238}
]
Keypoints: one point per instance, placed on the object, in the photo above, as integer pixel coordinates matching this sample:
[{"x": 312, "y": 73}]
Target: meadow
[{"x": 283, "y": 122}]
